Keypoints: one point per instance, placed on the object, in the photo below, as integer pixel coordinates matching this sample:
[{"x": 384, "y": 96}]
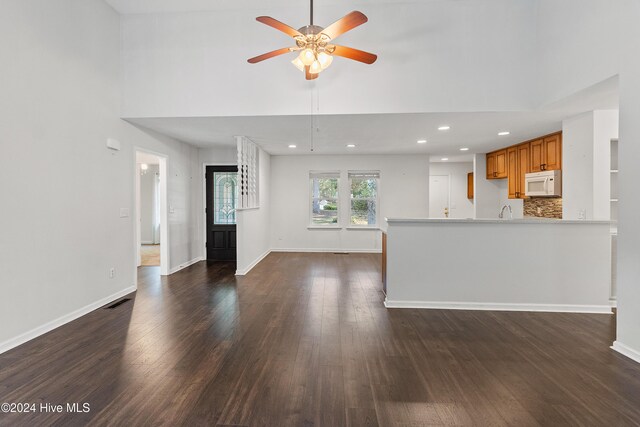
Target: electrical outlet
[
  {"x": 112, "y": 273},
  {"x": 582, "y": 214}
]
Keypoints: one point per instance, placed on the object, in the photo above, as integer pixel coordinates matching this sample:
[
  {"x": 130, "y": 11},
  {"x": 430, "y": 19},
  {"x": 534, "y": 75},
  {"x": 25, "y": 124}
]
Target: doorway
[
  {"x": 151, "y": 237},
  {"x": 221, "y": 205},
  {"x": 439, "y": 196}
]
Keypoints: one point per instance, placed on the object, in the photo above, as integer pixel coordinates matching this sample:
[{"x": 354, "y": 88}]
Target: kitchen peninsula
[{"x": 489, "y": 264}]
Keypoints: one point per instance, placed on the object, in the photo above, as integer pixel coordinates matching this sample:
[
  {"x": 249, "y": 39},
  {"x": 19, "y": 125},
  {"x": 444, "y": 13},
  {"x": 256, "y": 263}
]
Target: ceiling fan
[{"x": 315, "y": 43}]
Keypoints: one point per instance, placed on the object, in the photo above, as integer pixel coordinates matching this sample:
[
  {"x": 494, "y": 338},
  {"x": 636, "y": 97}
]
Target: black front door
[{"x": 222, "y": 194}]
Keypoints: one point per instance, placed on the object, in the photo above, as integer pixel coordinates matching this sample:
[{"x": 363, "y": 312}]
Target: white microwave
[{"x": 543, "y": 184}]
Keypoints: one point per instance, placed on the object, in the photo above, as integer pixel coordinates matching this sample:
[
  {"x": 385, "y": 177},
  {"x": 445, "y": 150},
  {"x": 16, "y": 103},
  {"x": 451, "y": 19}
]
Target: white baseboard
[
  {"x": 49, "y": 326},
  {"x": 145, "y": 242},
  {"x": 185, "y": 265},
  {"x": 362, "y": 251},
  {"x": 243, "y": 271},
  {"x": 613, "y": 302},
  {"x": 626, "y": 351},
  {"x": 560, "y": 308}
]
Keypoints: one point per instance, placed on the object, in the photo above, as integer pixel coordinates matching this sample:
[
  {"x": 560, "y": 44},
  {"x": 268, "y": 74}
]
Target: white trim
[
  {"x": 149, "y": 243},
  {"x": 49, "y": 326},
  {"x": 626, "y": 351},
  {"x": 185, "y": 265},
  {"x": 164, "y": 211},
  {"x": 558, "y": 308},
  {"x": 339, "y": 250},
  {"x": 253, "y": 264},
  {"x": 364, "y": 227},
  {"x": 613, "y": 302},
  {"x": 324, "y": 227}
]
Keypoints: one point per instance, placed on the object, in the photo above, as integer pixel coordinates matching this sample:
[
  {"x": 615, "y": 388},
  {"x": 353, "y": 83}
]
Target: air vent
[
  {"x": 341, "y": 253},
  {"x": 117, "y": 303}
]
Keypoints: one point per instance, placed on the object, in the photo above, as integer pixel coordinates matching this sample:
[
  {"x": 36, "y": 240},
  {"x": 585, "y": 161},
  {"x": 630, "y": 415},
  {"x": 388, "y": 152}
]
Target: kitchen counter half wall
[{"x": 485, "y": 264}]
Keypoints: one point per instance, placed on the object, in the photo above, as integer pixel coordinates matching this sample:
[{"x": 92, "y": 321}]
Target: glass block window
[
  {"x": 364, "y": 198},
  {"x": 324, "y": 198},
  {"x": 225, "y": 197}
]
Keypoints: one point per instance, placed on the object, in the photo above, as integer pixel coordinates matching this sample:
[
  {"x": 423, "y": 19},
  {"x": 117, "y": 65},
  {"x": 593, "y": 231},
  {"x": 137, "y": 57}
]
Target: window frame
[
  {"x": 330, "y": 175},
  {"x": 354, "y": 174}
]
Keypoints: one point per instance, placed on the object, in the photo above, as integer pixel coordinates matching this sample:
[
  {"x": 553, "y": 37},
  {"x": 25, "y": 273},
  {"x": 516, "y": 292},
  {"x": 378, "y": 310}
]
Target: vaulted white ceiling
[
  {"x": 168, "y": 6},
  {"x": 472, "y": 64}
]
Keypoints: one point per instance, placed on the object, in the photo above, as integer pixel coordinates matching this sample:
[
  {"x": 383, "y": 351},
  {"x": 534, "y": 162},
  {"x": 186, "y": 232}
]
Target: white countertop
[{"x": 491, "y": 221}]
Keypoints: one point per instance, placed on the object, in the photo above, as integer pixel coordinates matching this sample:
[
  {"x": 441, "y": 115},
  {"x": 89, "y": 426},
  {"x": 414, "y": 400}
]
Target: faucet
[{"x": 508, "y": 207}]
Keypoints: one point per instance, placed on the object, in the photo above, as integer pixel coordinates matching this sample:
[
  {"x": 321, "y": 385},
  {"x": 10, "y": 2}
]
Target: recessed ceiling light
[
  {"x": 292, "y": 146},
  {"x": 444, "y": 128},
  {"x": 464, "y": 149},
  {"x": 351, "y": 145},
  {"x": 444, "y": 159},
  {"x": 505, "y": 133},
  {"x": 422, "y": 141}
]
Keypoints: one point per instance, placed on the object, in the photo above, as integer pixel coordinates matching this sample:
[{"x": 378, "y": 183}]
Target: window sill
[
  {"x": 247, "y": 209},
  {"x": 319, "y": 227},
  {"x": 370, "y": 228}
]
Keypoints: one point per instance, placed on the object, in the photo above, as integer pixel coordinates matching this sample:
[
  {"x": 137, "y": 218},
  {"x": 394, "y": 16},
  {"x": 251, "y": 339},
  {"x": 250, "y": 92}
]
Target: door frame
[
  {"x": 203, "y": 211},
  {"x": 164, "y": 211}
]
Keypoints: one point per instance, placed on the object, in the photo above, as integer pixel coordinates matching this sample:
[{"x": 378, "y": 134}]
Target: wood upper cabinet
[
  {"x": 470, "y": 185},
  {"x": 512, "y": 172},
  {"x": 546, "y": 153},
  {"x": 536, "y": 155},
  {"x": 553, "y": 152},
  {"x": 501, "y": 164},
  {"x": 497, "y": 164},
  {"x": 524, "y": 167},
  {"x": 491, "y": 165}
]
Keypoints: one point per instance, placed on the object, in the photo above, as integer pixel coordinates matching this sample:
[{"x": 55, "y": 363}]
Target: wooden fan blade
[
  {"x": 344, "y": 24},
  {"x": 355, "y": 54},
  {"x": 269, "y": 55},
  {"x": 267, "y": 20},
  {"x": 308, "y": 75}
]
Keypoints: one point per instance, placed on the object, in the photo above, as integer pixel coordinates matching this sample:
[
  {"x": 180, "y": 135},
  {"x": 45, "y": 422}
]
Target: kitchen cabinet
[
  {"x": 497, "y": 164},
  {"x": 470, "y": 186},
  {"x": 546, "y": 153},
  {"x": 512, "y": 172},
  {"x": 517, "y": 166},
  {"x": 553, "y": 152},
  {"x": 524, "y": 168},
  {"x": 491, "y": 165}
]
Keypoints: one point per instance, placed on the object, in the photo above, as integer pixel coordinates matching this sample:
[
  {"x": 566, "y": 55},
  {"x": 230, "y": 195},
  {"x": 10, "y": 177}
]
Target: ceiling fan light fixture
[
  {"x": 298, "y": 63},
  {"x": 325, "y": 60},
  {"x": 315, "y": 67},
  {"x": 307, "y": 56}
]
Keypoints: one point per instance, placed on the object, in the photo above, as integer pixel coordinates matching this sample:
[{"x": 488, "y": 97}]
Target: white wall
[
  {"x": 486, "y": 191},
  {"x": 472, "y": 56},
  {"x": 254, "y": 226},
  {"x": 489, "y": 265},
  {"x": 404, "y": 192},
  {"x": 586, "y": 144},
  {"x": 62, "y": 189},
  {"x": 149, "y": 204},
  {"x": 582, "y": 42},
  {"x": 460, "y": 206}
]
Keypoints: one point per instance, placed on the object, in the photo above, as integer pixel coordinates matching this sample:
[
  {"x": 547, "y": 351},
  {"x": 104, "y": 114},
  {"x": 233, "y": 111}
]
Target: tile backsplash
[{"x": 543, "y": 207}]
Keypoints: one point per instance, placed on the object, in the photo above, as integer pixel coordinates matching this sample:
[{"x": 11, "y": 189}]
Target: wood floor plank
[{"x": 305, "y": 340}]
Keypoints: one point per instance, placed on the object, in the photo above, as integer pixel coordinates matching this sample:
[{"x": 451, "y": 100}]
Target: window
[
  {"x": 225, "y": 195},
  {"x": 324, "y": 198},
  {"x": 364, "y": 198}
]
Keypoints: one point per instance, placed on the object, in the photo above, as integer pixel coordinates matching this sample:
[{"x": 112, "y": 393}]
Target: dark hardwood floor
[{"x": 305, "y": 340}]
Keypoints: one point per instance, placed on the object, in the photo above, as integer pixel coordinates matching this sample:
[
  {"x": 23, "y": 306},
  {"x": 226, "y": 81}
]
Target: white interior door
[{"x": 438, "y": 196}]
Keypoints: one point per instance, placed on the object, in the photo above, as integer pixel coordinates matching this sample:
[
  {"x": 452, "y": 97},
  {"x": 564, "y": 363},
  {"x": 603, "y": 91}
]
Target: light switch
[{"x": 124, "y": 212}]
